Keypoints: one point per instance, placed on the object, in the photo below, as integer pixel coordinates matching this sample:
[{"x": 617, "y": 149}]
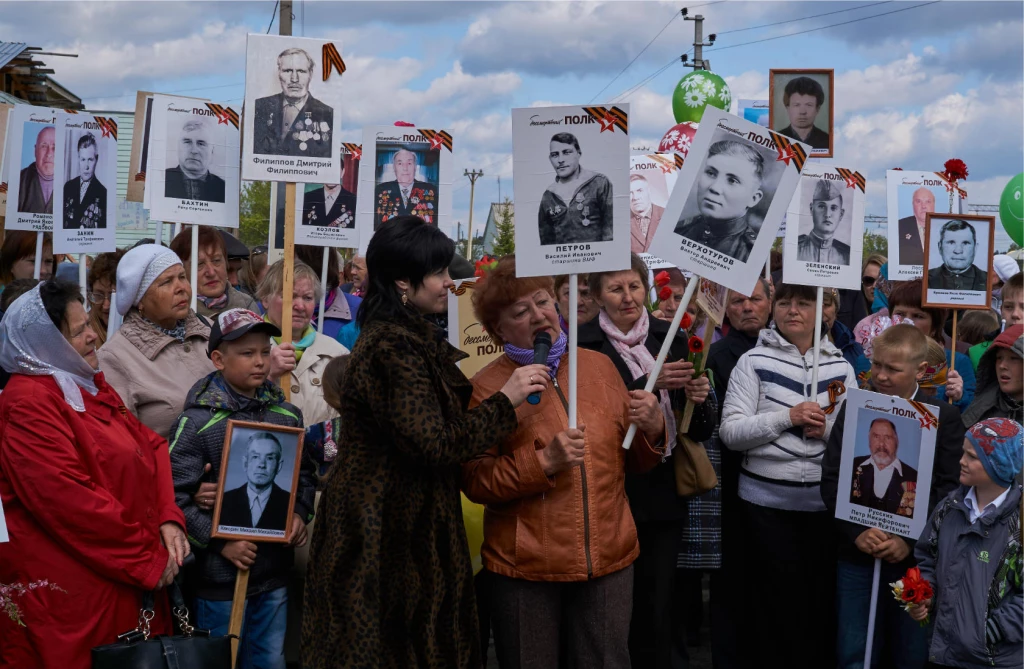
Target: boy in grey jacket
[{"x": 971, "y": 553}]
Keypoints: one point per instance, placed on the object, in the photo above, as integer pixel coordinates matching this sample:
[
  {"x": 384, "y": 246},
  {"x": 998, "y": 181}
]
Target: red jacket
[{"x": 84, "y": 495}]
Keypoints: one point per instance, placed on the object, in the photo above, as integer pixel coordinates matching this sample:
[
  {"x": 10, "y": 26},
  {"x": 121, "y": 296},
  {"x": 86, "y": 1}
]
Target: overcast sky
[{"x": 914, "y": 87}]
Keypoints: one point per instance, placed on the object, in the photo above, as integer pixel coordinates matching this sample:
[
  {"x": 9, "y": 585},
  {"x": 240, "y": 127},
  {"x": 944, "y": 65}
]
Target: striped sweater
[{"x": 781, "y": 469}]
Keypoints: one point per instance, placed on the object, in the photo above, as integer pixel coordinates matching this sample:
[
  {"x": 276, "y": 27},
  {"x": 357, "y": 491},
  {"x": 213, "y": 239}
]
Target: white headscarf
[
  {"x": 137, "y": 271},
  {"x": 31, "y": 344}
]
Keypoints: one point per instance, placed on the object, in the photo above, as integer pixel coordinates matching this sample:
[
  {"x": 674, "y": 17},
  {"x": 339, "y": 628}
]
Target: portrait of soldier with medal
[
  {"x": 577, "y": 206},
  {"x": 293, "y": 122}
]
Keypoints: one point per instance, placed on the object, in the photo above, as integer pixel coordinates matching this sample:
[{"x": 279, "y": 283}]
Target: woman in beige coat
[
  {"x": 300, "y": 363},
  {"x": 160, "y": 350}
]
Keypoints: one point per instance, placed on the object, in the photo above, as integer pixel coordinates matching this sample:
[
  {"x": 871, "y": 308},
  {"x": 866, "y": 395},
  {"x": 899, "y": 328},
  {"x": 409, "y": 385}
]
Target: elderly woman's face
[
  {"x": 303, "y": 304},
  {"x": 212, "y": 273},
  {"x": 167, "y": 300},
  {"x": 79, "y": 333},
  {"x": 521, "y": 321},
  {"x": 622, "y": 298}
]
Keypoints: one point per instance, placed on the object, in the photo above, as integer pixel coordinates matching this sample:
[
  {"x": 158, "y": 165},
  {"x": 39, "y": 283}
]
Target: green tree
[
  {"x": 254, "y": 212},
  {"x": 505, "y": 230},
  {"x": 876, "y": 244}
]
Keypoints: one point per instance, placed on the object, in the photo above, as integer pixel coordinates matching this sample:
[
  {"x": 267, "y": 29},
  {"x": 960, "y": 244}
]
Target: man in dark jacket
[
  {"x": 293, "y": 122},
  {"x": 883, "y": 471},
  {"x": 259, "y": 503},
  {"x": 85, "y": 198}
]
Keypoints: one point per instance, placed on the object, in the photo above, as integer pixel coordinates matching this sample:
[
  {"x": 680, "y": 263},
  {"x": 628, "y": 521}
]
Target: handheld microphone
[{"x": 541, "y": 346}]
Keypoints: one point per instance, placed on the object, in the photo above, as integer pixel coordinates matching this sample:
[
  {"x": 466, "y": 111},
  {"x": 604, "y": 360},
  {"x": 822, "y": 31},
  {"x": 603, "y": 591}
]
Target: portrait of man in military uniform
[
  {"x": 728, "y": 186},
  {"x": 331, "y": 205},
  {"x": 958, "y": 242},
  {"x": 85, "y": 198},
  {"x": 828, "y": 212},
  {"x": 293, "y": 122},
  {"x": 405, "y": 195},
  {"x": 577, "y": 206}
]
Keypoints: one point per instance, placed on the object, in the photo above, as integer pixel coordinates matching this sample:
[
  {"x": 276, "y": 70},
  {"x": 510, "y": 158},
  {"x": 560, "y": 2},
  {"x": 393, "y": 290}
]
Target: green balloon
[
  {"x": 697, "y": 90},
  {"x": 1011, "y": 209}
]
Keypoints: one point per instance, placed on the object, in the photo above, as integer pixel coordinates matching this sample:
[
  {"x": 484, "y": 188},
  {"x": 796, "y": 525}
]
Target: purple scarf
[{"x": 524, "y": 356}]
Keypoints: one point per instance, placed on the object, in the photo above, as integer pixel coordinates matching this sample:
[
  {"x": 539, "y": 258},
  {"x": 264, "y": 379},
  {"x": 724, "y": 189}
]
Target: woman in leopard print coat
[{"x": 390, "y": 578}]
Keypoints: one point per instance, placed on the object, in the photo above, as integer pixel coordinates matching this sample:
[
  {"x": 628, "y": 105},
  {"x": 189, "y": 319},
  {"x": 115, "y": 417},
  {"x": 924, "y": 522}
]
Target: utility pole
[
  {"x": 473, "y": 176},
  {"x": 698, "y": 43},
  {"x": 284, "y": 24}
]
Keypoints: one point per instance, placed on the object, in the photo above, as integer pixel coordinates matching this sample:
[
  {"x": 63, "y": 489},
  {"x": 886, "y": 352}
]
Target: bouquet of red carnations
[{"x": 912, "y": 590}]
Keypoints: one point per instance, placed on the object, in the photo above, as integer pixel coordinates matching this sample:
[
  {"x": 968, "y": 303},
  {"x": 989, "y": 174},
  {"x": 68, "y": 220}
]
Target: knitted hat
[
  {"x": 137, "y": 271},
  {"x": 1005, "y": 267},
  {"x": 1011, "y": 338},
  {"x": 998, "y": 443}
]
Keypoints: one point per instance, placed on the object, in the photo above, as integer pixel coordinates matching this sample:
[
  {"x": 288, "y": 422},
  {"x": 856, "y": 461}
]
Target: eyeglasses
[
  {"x": 100, "y": 298},
  {"x": 868, "y": 281},
  {"x": 258, "y": 251}
]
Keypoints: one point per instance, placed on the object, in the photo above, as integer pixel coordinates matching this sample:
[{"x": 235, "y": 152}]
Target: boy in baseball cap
[{"x": 971, "y": 553}]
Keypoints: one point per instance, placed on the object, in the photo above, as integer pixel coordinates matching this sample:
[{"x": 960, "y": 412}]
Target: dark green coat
[{"x": 390, "y": 582}]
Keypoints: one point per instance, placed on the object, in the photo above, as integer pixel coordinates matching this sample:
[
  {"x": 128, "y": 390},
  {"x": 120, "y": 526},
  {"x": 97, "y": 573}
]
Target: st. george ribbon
[{"x": 541, "y": 346}]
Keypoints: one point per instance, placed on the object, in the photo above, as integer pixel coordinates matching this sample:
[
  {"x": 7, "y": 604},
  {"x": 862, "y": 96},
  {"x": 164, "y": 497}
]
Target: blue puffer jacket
[
  {"x": 842, "y": 337},
  {"x": 978, "y": 610}
]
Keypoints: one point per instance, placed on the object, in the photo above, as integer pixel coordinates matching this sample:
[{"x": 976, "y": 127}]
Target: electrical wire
[
  {"x": 273, "y": 16},
  {"x": 675, "y": 15},
  {"x": 804, "y": 18}
]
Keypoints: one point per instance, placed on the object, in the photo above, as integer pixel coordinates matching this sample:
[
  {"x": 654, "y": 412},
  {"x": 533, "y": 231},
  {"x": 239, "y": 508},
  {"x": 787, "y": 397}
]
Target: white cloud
[
  {"x": 750, "y": 85},
  {"x": 903, "y": 82}
]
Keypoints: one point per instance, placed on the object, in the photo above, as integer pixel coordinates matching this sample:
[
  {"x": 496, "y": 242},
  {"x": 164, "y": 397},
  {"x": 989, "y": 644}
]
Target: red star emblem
[
  {"x": 222, "y": 117},
  {"x": 608, "y": 122},
  {"x": 785, "y": 154},
  {"x": 667, "y": 169},
  {"x": 105, "y": 129},
  {"x": 358, "y": 155},
  {"x": 851, "y": 182},
  {"x": 436, "y": 142}
]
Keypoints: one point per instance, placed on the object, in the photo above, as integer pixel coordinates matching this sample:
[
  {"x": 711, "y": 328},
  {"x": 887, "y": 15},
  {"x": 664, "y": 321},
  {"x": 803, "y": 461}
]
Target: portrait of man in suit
[
  {"x": 644, "y": 215},
  {"x": 912, "y": 227},
  {"x": 728, "y": 186},
  {"x": 404, "y": 195},
  {"x": 191, "y": 178},
  {"x": 260, "y": 503},
  {"x": 958, "y": 243},
  {"x": 35, "y": 194},
  {"x": 330, "y": 205},
  {"x": 881, "y": 480},
  {"x": 293, "y": 122},
  {"x": 827, "y": 213},
  {"x": 85, "y": 198}
]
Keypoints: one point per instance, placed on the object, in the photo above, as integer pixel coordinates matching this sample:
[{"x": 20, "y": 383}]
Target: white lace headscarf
[{"x": 31, "y": 344}]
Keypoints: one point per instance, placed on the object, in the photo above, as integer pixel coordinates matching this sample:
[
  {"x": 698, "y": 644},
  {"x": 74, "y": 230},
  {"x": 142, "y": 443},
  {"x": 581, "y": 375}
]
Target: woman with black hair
[
  {"x": 390, "y": 583},
  {"x": 85, "y": 486}
]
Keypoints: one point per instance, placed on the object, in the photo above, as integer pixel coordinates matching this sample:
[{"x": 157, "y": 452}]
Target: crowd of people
[{"x": 116, "y": 402}]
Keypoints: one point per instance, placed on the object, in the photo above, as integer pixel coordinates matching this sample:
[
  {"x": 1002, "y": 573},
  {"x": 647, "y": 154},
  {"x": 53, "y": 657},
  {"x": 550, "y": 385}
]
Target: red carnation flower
[
  {"x": 664, "y": 292},
  {"x": 956, "y": 170},
  {"x": 696, "y": 344}
]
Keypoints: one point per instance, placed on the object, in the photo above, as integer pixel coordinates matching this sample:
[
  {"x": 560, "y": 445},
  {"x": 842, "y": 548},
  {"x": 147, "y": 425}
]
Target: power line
[
  {"x": 675, "y": 15},
  {"x": 633, "y": 89},
  {"x": 833, "y": 25},
  {"x": 273, "y": 15},
  {"x": 804, "y": 18}
]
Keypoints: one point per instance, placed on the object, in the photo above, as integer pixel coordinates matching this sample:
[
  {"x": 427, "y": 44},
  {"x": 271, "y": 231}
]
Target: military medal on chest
[{"x": 583, "y": 208}]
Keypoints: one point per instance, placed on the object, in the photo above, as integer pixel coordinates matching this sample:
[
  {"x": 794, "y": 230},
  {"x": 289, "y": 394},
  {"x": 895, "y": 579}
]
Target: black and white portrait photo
[
  {"x": 802, "y": 107},
  {"x": 729, "y": 200},
  {"x": 295, "y": 113},
  {"x": 193, "y": 174},
  {"x": 910, "y": 198},
  {"x": 577, "y": 206},
  {"x": 259, "y": 474},
  {"x": 34, "y": 180},
  {"x": 825, "y": 228},
  {"x": 958, "y": 260},
  {"x": 86, "y": 208},
  {"x": 571, "y": 175},
  {"x": 194, "y": 148},
  {"x": 886, "y": 462}
]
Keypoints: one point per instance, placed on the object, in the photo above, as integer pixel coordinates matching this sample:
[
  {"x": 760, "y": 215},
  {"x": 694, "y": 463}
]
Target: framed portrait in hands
[
  {"x": 910, "y": 197},
  {"x": 958, "y": 261},
  {"x": 825, "y": 228},
  {"x": 259, "y": 479},
  {"x": 802, "y": 104},
  {"x": 571, "y": 189},
  {"x": 730, "y": 198},
  {"x": 293, "y": 98},
  {"x": 886, "y": 468}
]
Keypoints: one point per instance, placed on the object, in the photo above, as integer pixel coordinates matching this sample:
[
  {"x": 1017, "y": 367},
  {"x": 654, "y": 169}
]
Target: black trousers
[
  {"x": 530, "y": 619},
  {"x": 790, "y": 579},
  {"x": 652, "y": 633}
]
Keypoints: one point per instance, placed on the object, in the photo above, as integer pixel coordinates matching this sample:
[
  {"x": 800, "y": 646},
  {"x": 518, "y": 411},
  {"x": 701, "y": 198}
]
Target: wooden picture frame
[
  {"x": 951, "y": 298},
  {"x": 237, "y": 505},
  {"x": 830, "y": 100}
]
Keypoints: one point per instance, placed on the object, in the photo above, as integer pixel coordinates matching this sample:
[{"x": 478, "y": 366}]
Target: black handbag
[{"x": 136, "y": 649}]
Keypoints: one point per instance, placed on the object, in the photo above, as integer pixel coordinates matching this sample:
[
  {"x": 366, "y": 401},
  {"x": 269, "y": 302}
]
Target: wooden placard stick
[
  {"x": 237, "y": 612},
  {"x": 952, "y": 351},
  {"x": 288, "y": 278},
  {"x": 709, "y": 329}
]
